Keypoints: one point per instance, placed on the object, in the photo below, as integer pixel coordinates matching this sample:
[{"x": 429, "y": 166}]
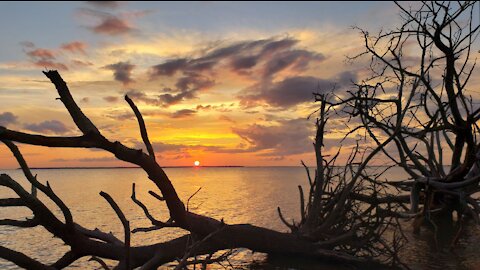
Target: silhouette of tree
[{"x": 419, "y": 96}]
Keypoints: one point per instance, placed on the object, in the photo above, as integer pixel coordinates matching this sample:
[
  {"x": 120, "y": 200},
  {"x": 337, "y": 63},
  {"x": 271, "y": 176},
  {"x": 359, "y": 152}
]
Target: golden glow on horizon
[{"x": 196, "y": 163}]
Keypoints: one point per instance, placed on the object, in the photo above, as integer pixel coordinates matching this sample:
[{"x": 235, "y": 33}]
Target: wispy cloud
[
  {"x": 74, "y": 47},
  {"x": 110, "y": 24},
  {"x": 183, "y": 113},
  {"x": 105, "y": 4},
  {"x": 43, "y": 58}
]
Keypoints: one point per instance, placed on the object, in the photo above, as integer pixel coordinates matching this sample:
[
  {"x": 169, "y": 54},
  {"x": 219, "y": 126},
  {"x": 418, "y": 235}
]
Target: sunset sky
[{"x": 222, "y": 83}]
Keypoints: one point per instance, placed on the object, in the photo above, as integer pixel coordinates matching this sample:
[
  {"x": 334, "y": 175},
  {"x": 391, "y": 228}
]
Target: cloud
[
  {"x": 99, "y": 159},
  {"x": 261, "y": 60},
  {"x": 295, "y": 59},
  {"x": 27, "y": 44},
  {"x": 139, "y": 96},
  {"x": 220, "y": 108},
  {"x": 110, "y": 99},
  {"x": 291, "y": 91},
  {"x": 227, "y": 119},
  {"x": 80, "y": 63},
  {"x": 51, "y": 126},
  {"x": 269, "y": 55},
  {"x": 105, "y": 23},
  {"x": 183, "y": 113},
  {"x": 284, "y": 138},
  {"x": 160, "y": 147},
  {"x": 122, "y": 72},
  {"x": 186, "y": 88},
  {"x": 43, "y": 58},
  {"x": 104, "y": 4},
  {"x": 181, "y": 156},
  {"x": 74, "y": 47},
  {"x": 288, "y": 137},
  {"x": 121, "y": 116},
  {"x": 50, "y": 65},
  {"x": 7, "y": 118},
  {"x": 169, "y": 68},
  {"x": 42, "y": 54},
  {"x": 112, "y": 26}
]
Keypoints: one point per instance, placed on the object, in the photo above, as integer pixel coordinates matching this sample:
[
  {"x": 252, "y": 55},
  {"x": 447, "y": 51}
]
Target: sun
[{"x": 196, "y": 163}]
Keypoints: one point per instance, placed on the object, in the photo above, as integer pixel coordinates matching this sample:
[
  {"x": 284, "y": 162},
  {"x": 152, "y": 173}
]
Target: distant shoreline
[{"x": 170, "y": 167}]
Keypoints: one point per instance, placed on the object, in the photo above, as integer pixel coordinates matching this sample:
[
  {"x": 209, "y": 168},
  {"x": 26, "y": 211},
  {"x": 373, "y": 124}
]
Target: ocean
[{"x": 234, "y": 194}]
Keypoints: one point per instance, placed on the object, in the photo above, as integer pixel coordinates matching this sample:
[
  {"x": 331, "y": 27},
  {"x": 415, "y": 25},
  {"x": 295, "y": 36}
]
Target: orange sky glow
[{"x": 213, "y": 88}]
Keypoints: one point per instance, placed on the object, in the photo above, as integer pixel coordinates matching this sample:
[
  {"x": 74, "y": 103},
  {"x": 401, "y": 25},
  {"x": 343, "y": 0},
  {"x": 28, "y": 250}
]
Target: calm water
[{"x": 238, "y": 195}]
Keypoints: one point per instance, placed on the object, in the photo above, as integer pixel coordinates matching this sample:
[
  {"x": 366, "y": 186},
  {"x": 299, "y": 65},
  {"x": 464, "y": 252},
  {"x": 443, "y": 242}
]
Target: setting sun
[{"x": 196, "y": 163}]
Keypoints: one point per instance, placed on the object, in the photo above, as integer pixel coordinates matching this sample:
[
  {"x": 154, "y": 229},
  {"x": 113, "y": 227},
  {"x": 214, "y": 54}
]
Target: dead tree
[
  {"x": 418, "y": 94},
  {"x": 335, "y": 226},
  {"x": 349, "y": 208}
]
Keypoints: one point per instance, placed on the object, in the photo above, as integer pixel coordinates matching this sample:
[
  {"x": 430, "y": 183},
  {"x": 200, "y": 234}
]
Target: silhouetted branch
[
  {"x": 33, "y": 180},
  {"x": 99, "y": 235},
  {"x": 191, "y": 196},
  {"x": 126, "y": 226},
  {"x": 157, "y": 223},
  {"x": 143, "y": 129},
  {"x": 22, "y": 260},
  {"x": 156, "y": 196},
  {"x": 100, "y": 261},
  {"x": 11, "y": 202},
  {"x": 82, "y": 121},
  {"x": 67, "y": 259}
]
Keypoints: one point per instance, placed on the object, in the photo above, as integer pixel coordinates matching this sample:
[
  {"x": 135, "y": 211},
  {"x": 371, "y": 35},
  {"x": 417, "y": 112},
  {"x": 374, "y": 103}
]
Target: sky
[{"x": 224, "y": 83}]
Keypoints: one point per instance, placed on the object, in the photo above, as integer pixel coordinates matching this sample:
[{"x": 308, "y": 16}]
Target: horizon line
[{"x": 166, "y": 167}]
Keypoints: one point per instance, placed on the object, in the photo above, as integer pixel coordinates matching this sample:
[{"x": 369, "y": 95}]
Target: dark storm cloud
[
  {"x": 7, "y": 118},
  {"x": 51, "y": 126},
  {"x": 122, "y": 71}
]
